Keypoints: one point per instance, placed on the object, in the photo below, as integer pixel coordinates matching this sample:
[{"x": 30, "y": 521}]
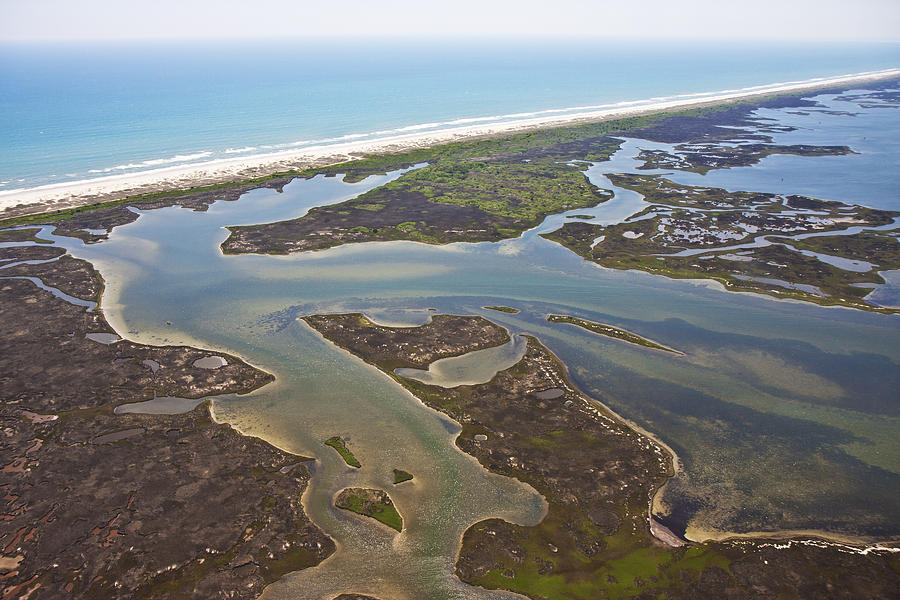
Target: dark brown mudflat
[{"x": 97, "y": 505}]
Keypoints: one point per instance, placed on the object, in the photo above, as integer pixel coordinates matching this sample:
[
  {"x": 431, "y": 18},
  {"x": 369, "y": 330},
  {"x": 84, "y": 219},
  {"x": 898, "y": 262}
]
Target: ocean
[{"x": 70, "y": 112}]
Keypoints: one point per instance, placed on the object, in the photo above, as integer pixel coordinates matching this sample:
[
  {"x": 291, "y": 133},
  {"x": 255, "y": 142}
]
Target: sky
[{"x": 804, "y": 20}]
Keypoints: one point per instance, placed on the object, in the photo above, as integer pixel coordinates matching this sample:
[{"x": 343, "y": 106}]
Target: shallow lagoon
[
  {"x": 472, "y": 368},
  {"x": 784, "y": 414}
]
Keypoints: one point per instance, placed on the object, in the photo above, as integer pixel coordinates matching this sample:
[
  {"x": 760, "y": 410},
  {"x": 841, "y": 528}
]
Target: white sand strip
[{"x": 79, "y": 193}]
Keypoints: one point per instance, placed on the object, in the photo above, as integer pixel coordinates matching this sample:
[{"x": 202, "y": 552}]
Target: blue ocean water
[{"x": 77, "y": 111}]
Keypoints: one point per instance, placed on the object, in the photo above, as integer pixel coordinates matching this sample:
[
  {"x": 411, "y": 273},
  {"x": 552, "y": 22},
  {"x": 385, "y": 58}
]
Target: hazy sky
[{"x": 875, "y": 20}]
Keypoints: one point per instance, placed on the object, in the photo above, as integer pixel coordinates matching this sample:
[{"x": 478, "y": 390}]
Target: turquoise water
[{"x": 78, "y": 111}]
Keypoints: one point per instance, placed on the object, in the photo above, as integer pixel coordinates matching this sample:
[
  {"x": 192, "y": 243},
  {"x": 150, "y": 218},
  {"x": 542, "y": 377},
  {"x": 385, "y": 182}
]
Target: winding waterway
[{"x": 783, "y": 414}]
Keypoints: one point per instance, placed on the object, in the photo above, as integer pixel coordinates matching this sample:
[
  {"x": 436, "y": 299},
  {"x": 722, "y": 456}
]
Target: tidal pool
[
  {"x": 210, "y": 362},
  {"x": 783, "y": 414},
  {"x": 164, "y": 405},
  {"x": 103, "y": 338},
  {"x": 550, "y": 394}
]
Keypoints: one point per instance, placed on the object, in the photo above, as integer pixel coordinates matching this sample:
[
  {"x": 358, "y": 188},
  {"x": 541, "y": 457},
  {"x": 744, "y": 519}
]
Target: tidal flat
[{"x": 781, "y": 416}]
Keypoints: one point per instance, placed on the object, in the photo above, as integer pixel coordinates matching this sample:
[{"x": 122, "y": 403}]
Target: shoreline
[
  {"x": 58, "y": 196},
  {"x": 857, "y": 544}
]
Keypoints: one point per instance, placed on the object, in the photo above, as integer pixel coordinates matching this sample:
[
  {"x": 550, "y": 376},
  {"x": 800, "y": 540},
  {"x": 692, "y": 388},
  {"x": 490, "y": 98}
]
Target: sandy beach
[{"x": 79, "y": 193}]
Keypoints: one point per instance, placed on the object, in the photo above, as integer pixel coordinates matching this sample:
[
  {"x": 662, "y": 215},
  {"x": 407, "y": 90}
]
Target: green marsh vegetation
[
  {"x": 505, "y": 309},
  {"x": 610, "y": 331},
  {"x": 338, "y": 444},
  {"x": 375, "y": 504},
  {"x": 22, "y": 235},
  {"x": 683, "y": 217},
  {"x": 400, "y": 476}
]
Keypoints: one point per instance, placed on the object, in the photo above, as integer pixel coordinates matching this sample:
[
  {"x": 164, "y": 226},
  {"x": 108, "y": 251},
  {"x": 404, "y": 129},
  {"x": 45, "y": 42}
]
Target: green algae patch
[
  {"x": 400, "y": 476},
  {"x": 338, "y": 444},
  {"x": 370, "y": 503},
  {"x": 610, "y": 331}
]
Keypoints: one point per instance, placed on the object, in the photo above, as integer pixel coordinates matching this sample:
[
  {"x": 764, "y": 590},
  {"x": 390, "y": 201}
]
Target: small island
[
  {"x": 375, "y": 504},
  {"x": 505, "y": 309},
  {"x": 610, "y": 331},
  {"x": 340, "y": 445},
  {"x": 400, "y": 476}
]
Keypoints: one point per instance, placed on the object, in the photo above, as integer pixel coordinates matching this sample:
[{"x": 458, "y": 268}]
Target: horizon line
[{"x": 484, "y": 37}]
